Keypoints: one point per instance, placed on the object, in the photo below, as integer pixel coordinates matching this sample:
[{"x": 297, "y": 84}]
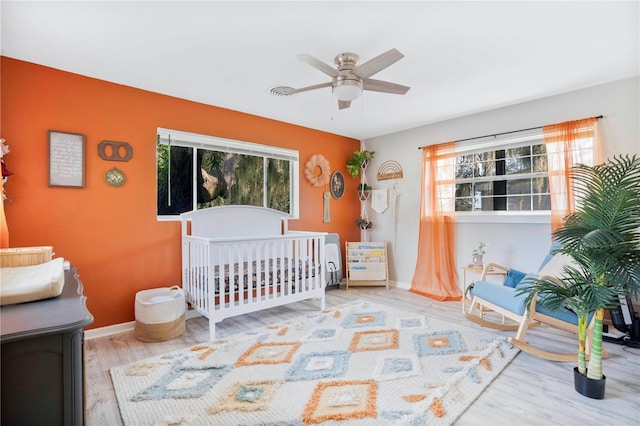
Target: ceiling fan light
[{"x": 347, "y": 90}]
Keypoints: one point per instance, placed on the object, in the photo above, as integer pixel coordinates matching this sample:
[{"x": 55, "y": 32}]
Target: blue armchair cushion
[
  {"x": 500, "y": 295},
  {"x": 513, "y": 278},
  {"x": 563, "y": 314}
]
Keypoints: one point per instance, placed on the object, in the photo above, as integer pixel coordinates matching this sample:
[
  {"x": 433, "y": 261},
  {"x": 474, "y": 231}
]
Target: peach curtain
[
  {"x": 435, "y": 275},
  {"x": 568, "y": 144}
]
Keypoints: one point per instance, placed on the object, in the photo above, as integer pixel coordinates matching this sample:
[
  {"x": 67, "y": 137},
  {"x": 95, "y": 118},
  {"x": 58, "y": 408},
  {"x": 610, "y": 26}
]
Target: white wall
[{"x": 519, "y": 245}]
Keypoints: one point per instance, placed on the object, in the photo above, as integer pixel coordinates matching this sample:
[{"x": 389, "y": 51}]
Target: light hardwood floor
[{"x": 530, "y": 391}]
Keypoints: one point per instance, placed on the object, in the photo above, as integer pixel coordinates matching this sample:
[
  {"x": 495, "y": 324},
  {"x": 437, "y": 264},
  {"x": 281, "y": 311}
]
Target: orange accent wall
[{"x": 112, "y": 234}]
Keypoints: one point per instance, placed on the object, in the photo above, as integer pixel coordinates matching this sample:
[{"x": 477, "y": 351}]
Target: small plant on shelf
[
  {"x": 481, "y": 250},
  {"x": 358, "y": 161},
  {"x": 478, "y": 253}
]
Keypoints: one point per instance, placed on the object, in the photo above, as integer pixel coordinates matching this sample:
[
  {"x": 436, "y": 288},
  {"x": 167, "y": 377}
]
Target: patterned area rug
[{"x": 356, "y": 364}]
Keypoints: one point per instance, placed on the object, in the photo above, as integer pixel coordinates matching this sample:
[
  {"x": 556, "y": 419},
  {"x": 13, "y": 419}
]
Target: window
[
  {"x": 198, "y": 171},
  {"x": 510, "y": 173},
  {"x": 511, "y": 178}
]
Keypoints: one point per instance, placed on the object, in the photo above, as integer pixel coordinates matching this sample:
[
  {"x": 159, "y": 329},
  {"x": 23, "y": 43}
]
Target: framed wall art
[
  {"x": 337, "y": 185},
  {"x": 66, "y": 159}
]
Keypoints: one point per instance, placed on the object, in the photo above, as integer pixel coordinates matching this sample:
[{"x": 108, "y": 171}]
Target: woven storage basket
[
  {"x": 159, "y": 314},
  {"x": 25, "y": 256}
]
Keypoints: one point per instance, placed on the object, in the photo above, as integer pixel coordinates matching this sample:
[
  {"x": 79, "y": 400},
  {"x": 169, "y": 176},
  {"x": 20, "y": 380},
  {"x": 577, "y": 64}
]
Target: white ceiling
[{"x": 460, "y": 57}]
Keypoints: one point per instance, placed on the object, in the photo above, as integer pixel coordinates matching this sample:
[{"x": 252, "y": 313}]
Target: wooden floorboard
[{"x": 530, "y": 391}]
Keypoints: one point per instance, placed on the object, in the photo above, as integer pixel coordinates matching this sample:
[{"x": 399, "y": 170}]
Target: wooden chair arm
[
  {"x": 491, "y": 266},
  {"x": 553, "y": 279}
]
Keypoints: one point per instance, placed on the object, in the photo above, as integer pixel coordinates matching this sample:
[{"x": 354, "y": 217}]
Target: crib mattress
[{"x": 250, "y": 275}]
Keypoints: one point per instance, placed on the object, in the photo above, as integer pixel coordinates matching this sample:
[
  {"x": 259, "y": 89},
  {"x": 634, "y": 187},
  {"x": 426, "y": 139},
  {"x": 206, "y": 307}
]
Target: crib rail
[{"x": 225, "y": 277}]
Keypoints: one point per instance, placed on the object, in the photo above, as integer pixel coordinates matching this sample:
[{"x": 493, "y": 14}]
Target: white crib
[{"x": 242, "y": 259}]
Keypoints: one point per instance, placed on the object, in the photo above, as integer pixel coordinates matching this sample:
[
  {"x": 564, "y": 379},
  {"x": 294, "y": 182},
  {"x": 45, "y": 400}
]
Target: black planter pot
[{"x": 591, "y": 388}]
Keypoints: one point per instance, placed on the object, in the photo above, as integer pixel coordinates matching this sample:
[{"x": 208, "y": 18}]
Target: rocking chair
[{"x": 501, "y": 299}]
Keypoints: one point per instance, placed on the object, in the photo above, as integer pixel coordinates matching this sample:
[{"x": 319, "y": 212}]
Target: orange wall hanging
[{"x": 316, "y": 162}]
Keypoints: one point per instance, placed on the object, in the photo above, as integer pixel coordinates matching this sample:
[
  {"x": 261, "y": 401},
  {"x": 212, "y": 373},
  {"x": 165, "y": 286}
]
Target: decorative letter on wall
[{"x": 66, "y": 159}]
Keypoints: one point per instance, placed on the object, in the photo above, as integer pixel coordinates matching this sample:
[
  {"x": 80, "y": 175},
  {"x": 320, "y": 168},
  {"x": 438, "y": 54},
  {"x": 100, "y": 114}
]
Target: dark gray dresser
[{"x": 42, "y": 372}]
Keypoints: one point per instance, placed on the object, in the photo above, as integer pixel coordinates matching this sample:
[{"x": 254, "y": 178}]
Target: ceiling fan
[{"x": 348, "y": 79}]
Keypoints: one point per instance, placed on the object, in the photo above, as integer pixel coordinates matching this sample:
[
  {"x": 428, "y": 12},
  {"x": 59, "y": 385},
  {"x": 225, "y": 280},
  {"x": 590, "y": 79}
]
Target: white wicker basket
[{"x": 159, "y": 314}]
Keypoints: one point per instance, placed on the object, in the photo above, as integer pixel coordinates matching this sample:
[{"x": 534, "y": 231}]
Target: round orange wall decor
[{"x": 311, "y": 170}]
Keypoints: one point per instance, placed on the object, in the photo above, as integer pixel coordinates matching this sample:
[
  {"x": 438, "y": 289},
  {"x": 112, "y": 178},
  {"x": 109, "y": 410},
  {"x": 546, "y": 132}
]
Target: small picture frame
[
  {"x": 66, "y": 159},
  {"x": 337, "y": 185}
]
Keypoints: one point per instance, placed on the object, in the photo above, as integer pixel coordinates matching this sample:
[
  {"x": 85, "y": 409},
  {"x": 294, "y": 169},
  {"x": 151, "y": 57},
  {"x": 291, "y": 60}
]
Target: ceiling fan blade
[
  {"x": 315, "y": 86},
  {"x": 318, "y": 64},
  {"x": 343, "y": 104},
  {"x": 384, "y": 86},
  {"x": 378, "y": 63}
]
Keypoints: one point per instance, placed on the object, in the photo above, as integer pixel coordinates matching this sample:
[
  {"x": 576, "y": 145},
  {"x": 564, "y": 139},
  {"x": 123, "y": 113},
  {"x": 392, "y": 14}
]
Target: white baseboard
[
  {"x": 401, "y": 285},
  {"x": 124, "y": 327},
  {"x": 109, "y": 330}
]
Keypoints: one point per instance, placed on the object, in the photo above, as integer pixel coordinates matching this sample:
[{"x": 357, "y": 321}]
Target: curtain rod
[{"x": 507, "y": 133}]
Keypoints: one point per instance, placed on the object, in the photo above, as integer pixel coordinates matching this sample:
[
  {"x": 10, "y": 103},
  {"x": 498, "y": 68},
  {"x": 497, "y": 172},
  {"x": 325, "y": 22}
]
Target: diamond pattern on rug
[
  {"x": 394, "y": 367},
  {"x": 342, "y": 400},
  {"x": 183, "y": 383},
  {"x": 268, "y": 353},
  {"x": 145, "y": 368},
  {"x": 364, "y": 319},
  {"x": 395, "y": 415},
  {"x": 323, "y": 334},
  {"x": 409, "y": 323},
  {"x": 319, "y": 365},
  {"x": 374, "y": 340},
  {"x": 414, "y": 370},
  {"x": 247, "y": 396},
  {"x": 438, "y": 343}
]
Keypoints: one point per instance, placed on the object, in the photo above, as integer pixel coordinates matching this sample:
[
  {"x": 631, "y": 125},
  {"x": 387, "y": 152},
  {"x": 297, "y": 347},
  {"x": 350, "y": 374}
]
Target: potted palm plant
[
  {"x": 603, "y": 237},
  {"x": 358, "y": 161}
]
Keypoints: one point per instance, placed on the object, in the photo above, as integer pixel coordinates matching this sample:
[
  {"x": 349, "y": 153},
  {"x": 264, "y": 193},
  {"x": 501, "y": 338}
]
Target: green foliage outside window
[{"x": 223, "y": 178}]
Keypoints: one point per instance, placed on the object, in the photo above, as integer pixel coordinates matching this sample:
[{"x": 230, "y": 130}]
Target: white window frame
[
  {"x": 198, "y": 141},
  {"x": 509, "y": 140},
  {"x": 493, "y": 143}
]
